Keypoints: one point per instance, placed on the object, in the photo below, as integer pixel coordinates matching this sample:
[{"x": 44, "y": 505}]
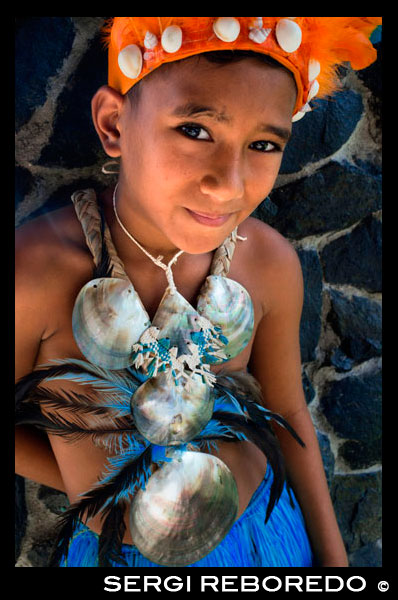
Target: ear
[{"x": 106, "y": 108}]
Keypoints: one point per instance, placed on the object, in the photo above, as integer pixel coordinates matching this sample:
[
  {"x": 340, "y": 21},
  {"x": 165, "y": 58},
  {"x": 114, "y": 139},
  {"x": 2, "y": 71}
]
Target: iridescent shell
[
  {"x": 185, "y": 511},
  {"x": 228, "y": 305},
  {"x": 176, "y": 319},
  {"x": 108, "y": 318},
  {"x": 167, "y": 414}
]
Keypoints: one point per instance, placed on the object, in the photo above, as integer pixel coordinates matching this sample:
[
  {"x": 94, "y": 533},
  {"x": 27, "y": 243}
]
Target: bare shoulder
[
  {"x": 272, "y": 261},
  {"x": 49, "y": 242},
  {"x": 50, "y": 255}
]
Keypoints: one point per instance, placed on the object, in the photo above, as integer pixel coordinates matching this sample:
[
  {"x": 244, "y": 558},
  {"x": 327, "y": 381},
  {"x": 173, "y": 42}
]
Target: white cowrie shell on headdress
[
  {"x": 314, "y": 89},
  {"x": 130, "y": 61},
  {"x": 172, "y": 39},
  {"x": 288, "y": 34},
  {"x": 259, "y": 35},
  {"x": 314, "y": 68},
  {"x": 258, "y": 22},
  {"x": 150, "y": 40},
  {"x": 227, "y": 29}
]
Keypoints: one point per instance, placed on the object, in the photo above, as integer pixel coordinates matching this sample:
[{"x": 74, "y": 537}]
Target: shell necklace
[{"x": 158, "y": 260}]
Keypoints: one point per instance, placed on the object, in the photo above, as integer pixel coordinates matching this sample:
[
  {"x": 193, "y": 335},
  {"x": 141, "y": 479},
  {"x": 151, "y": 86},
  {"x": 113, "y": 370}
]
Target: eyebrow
[{"x": 190, "y": 109}]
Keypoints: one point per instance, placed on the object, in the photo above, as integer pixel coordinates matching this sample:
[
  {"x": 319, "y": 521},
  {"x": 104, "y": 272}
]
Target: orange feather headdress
[{"x": 310, "y": 47}]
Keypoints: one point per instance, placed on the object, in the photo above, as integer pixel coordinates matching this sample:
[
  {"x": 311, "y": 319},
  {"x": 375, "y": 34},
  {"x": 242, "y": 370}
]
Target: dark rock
[
  {"x": 355, "y": 258},
  {"x": 310, "y": 326},
  {"x": 357, "y": 504},
  {"x": 366, "y": 556},
  {"x": 371, "y": 76},
  {"x": 352, "y": 406},
  {"x": 357, "y": 321},
  {"x": 266, "y": 211},
  {"x": 41, "y": 45},
  {"x": 39, "y": 555},
  {"x": 327, "y": 456},
  {"x": 61, "y": 198},
  {"x": 358, "y": 455},
  {"x": 20, "y": 514},
  {"x": 54, "y": 500},
  {"x": 74, "y": 142},
  {"x": 335, "y": 197},
  {"x": 323, "y": 131},
  {"x": 23, "y": 184}
]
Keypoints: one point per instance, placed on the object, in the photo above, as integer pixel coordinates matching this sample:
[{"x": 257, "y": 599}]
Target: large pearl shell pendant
[
  {"x": 185, "y": 511},
  {"x": 227, "y": 304},
  {"x": 168, "y": 414},
  {"x": 108, "y": 318}
]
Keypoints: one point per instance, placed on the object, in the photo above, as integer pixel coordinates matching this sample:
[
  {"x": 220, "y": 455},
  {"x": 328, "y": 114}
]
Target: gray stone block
[
  {"x": 323, "y": 131},
  {"x": 357, "y": 321},
  {"x": 310, "y": 326},
  {"x": 356, "y": 500},
  {"x": 41, "y": 45},
  {"x": 355, "y": 258},
  {"x": 335, "y": 197},
  {"x": 353, "y": 407},
  {"x": 74, "y": 141}
]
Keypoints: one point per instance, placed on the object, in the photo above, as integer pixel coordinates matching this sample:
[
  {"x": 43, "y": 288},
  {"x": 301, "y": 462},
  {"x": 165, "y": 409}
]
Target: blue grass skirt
[{"x": 282, "y": 542}]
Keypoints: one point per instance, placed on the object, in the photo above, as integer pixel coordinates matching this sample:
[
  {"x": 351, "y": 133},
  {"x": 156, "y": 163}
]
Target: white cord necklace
[{"x": 158, "y": 260}]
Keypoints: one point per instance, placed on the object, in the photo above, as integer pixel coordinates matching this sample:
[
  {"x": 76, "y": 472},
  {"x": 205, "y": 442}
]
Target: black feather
[
  {"x": 100, "y": 497},
  {"x": 31, "y": 381},
  {"x": 111, "y": 537},
  {"x": 244, "y": 387}
]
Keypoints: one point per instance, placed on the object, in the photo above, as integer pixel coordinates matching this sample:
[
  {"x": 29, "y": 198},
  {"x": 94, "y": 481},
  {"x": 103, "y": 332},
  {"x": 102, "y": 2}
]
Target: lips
[{"x": 210, "y": 220}]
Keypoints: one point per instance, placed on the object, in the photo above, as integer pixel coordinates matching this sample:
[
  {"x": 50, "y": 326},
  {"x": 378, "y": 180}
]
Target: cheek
[{"x": 261, "y": 177}]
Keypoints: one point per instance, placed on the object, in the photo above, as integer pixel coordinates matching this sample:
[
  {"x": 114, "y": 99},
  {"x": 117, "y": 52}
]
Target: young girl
[{"x": 159, "y": 297}]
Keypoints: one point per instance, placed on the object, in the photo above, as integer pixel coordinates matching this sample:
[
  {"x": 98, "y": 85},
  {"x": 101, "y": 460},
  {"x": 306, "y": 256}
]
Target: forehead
[{"x": 247, "y": 86}]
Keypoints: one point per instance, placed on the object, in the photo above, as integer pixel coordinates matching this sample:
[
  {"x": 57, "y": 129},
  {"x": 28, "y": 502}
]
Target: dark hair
[{"x": 221, "y": 57}]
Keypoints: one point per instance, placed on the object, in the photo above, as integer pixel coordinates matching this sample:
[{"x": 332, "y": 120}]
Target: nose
[{"x": 224, "y": 180}]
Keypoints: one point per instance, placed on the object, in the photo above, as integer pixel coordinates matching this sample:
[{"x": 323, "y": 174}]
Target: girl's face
[{"x": 201, "y": 150}]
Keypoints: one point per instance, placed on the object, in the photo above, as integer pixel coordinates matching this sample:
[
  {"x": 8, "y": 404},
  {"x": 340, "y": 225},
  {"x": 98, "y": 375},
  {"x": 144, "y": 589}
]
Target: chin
[{"x": 201, "y": 244}]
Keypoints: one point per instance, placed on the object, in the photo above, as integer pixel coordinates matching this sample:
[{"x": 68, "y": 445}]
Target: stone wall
[{"x": 327, "y": 201}]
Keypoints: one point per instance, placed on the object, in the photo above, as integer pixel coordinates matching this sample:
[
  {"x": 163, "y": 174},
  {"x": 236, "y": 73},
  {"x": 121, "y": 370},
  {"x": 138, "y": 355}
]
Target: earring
[{"x": 107, "y": 171}]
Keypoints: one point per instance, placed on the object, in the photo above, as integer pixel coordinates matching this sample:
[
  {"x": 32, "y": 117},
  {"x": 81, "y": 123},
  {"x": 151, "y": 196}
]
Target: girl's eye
[
  {"x": 263, "y": 146},
  {"x": 195, "y": 132}
]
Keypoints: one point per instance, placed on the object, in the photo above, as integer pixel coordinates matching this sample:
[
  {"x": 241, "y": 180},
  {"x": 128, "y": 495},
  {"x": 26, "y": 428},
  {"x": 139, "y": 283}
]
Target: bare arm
[
  {"x": 34, "y": 458},
  {"x": 276, "y": 363}
]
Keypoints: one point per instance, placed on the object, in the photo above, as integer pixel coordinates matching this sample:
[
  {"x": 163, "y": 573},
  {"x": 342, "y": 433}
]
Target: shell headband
[{"x": 310, "y": 47}]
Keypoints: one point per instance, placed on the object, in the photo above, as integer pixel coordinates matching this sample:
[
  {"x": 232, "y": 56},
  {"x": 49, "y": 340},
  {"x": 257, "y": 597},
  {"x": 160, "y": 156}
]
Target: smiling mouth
[{"x": 206, "y": 219}]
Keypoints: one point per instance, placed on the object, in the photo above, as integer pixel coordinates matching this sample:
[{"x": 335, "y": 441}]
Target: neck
[{"x": 158, "y": 260}]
